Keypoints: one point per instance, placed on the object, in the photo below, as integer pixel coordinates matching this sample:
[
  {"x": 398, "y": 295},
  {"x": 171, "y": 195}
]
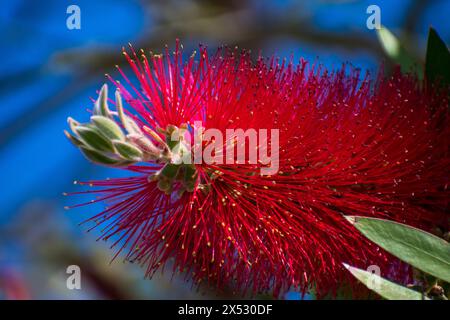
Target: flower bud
[
  {"x": 170, "y": 171},
  {"x": 164, "y": 185}
]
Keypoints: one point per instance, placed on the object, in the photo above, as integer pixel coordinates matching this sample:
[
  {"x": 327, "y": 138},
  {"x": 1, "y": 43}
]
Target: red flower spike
[{"x": 346, "y": 147}]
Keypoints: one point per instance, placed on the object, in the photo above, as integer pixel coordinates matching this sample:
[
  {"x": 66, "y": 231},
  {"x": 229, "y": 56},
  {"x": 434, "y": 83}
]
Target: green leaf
[
  {"x": 385, "y": 288},
  {"x": 94, "y": 139},
  {"x": 397, "y": 52},
  {"x": 421, "y": 249},
  {"x": 98, "y": 157},
  {"x": 144, "y": 144},
  {"x": 101, "y": 104},
  {"x": 437, "y": 64},
  {"x": 108, "y": 127},
  {"x": 72, "y": 123},
  {"x": 128, "y": 151},
  {"x": 75, "y": 141},
  {"x": 129, "y": 124}
]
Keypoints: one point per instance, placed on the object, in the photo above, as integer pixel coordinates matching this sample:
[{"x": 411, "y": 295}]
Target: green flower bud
[
  {"x": 164, "y": 185},
  {"x": 190, "y": 173},
  {"x": 170, "y": 171},
  {"x": 190, "y": 186}
]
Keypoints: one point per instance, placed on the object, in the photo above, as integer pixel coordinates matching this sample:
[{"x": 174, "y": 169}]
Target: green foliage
[
  {"x": 421, "y": 249},
  {"x": 437, "y": 64},
  {"x": 385, "y": 288},
  {"x": 108, "y": 127},
  {"x": 127, "y": 150},
  {"x": 94, "y": 139},
  {"x": 397, "y": 52},
  {"x": 437, "y": 61}
]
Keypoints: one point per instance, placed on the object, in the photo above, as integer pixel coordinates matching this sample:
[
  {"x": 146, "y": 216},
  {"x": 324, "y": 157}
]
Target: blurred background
[{"x": 48, "y": 72}]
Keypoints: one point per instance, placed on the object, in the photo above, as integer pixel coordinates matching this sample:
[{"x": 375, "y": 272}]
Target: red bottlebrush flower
[{"x": 347, "y": 146}]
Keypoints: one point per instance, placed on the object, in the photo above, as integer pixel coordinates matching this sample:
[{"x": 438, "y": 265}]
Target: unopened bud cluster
[{"x": 121, "y": 143}]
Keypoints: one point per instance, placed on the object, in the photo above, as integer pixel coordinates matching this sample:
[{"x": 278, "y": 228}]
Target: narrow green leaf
[
  {"x": 156, "y": 137},
  {"x": 421, "y": 249},
  {"x": 385, "y": 288},
  {"x": 75, "y": 141},
  {"x": 128, "y": 151},
  {"x": 397, "y": 52},
  {"x": 144, "y": 144},
  {"x": 94, "y": 139},
  {"x": 72, "y": 123},
  {"x": 108, "y": 127},
  {"x": 101, "y": 104},
  {"x": 437, "y": 64},
  {"x": 98, "y": 157},
  {"x": 129, "y": 124}
]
